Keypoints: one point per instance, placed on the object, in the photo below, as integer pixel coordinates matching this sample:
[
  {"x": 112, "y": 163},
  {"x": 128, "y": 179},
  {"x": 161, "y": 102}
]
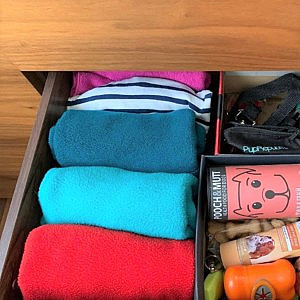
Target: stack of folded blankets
[{"x": 119, "y": 214}]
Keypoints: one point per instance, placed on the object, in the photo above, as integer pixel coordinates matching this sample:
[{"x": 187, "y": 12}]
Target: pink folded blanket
[{"x": 84, "y": 81}]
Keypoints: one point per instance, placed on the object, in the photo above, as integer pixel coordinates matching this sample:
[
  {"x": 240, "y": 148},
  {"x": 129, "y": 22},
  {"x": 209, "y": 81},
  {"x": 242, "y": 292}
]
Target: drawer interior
[
  {"x": 236, "y": 82},
  {"x": 233, "y": 84},
  {"x": 202, "y": 220},
  {"x": 24, "y": 212}
]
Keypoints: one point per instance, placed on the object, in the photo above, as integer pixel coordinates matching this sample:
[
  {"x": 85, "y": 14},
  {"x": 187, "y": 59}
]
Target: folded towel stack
[
  {"x": 84, "y": 81},
  {"x": 74, "y": 262},
  {"x": 130, "y": 176},
  {"x": 138, "y": 142},
  {"x": 152, "y": 204},
  {"x": 146, "y": 95}
]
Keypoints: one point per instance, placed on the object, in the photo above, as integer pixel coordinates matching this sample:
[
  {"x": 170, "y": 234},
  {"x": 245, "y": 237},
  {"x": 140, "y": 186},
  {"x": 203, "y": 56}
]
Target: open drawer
[{"x": 25, "y": 213}]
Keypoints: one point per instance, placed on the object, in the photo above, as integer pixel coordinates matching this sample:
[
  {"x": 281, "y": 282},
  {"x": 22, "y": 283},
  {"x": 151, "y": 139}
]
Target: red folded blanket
[{"x": 84, "y": 262}]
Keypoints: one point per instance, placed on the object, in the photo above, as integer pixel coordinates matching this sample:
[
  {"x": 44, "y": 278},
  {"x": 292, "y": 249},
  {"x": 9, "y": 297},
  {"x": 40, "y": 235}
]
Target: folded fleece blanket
[
  {"x": 159, "y": 142},
  {"x": 84, "y": 81},
  {"x": 145, "y": 95},
  {"x": 81, "y": 262},
  {"x": 152, "y": 204}
]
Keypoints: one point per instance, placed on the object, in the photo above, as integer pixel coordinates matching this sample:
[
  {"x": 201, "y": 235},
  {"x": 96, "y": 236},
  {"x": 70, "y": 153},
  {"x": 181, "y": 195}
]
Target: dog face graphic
[{"x": 259, "y": 193}]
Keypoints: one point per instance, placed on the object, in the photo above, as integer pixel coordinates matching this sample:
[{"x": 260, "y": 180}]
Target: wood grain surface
[
  {"x": 18, "y": 106},
  {"x": 170, "y": 34},
  {"x": 4, "y": 206},
  {"x": 24, "y": 213}
]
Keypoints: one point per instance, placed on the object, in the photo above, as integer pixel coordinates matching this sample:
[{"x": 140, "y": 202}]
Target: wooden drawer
[{"x": 24, "y": 213}]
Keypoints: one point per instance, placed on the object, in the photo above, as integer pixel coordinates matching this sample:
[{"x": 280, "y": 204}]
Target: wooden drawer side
[{"x": 24, "y": 213}]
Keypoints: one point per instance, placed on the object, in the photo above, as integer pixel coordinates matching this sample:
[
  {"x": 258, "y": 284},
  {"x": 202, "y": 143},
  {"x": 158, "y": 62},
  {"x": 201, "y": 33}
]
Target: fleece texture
[
  {"x": 81, "y": 262},
  {"x": 84, "y": 81},
  {"x": 158, "y": 142},
  {"x": 152, "y": 204}
]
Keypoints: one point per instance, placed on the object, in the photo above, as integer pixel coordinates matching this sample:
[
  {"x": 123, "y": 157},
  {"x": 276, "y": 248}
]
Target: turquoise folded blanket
[
  {"x": 152, "y": 204},
  {"x": 158, "y": 142}
]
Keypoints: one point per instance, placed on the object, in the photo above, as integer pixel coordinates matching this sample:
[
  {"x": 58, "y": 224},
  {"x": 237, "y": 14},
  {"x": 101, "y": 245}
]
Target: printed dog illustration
[
  {"x": 259, "y": 193},
  {"x": 259, "y": 246}
]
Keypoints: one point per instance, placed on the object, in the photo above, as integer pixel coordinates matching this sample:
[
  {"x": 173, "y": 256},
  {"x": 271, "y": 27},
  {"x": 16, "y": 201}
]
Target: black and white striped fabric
[{"x": 145, "y": 95}]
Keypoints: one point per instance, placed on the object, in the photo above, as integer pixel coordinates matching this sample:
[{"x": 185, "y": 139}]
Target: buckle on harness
[
  {"x": 293, "y": 119},
  {"x": 242, "y": 118}
]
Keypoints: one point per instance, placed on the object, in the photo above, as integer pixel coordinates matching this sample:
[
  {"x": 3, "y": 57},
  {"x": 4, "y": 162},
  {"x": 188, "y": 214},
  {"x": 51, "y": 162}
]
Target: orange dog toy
[{"x": 267, "y": 281}]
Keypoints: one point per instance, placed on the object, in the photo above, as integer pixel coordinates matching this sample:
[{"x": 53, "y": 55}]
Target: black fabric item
[
  {"x": 289, "y": 83},
  {"x": 248, "y": 115},
  {"x": 263, "y": 139},
  {"x": 293, "y": 118},
  {"x": 278, "y": 134}
]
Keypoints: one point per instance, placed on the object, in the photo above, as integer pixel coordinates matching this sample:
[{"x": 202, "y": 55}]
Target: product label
[
  {"x": 298, "y": 201},
  {"x": 249, "y": 192},
  {"x": 255, "y": 149},
  {"x": 269, "y": 246},
  {"x": 263, "y": 290},
  {"x": 218, "y": 194},
  {"x": 254, "y": 247},
  {"x": 243, "y": 251},
  {"x": 289, "y": 237}
]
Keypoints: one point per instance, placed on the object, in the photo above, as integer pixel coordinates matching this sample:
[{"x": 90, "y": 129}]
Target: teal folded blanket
[
  {"x": 158, "y": 142},
  {"x": 152, "y": 204}
]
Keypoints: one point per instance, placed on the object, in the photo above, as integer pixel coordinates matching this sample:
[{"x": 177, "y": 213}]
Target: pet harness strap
[{"x": 247, "y": 107}]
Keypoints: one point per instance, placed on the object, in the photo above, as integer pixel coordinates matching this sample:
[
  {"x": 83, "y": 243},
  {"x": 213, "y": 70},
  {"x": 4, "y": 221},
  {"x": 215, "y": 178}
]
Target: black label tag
[{"x": 217, "y": 188}]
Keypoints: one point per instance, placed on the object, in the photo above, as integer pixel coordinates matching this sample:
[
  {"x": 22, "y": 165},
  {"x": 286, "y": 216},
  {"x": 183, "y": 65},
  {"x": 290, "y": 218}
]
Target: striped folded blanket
[{"x": 145, "y": 95}]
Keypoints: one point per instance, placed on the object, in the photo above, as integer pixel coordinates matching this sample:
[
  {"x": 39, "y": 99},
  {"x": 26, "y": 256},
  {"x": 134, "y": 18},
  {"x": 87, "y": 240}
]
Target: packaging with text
[{"x": 249, "y": 192}]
